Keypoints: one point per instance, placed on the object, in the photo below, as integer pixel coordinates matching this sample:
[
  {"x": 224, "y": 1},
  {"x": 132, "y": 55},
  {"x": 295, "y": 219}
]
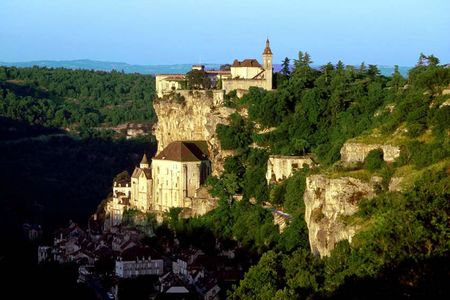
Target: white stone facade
[
  {"x": 175, "y": 181},
  {"x": 282, "y": 167},
  {"x": 138, "y": 267}
]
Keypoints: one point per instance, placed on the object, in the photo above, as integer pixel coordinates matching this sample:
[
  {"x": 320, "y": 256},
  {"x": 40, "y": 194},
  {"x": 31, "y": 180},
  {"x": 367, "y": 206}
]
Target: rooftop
[
  {"x": 249, "y": 63},
  {"x": 185, "y": 151}
]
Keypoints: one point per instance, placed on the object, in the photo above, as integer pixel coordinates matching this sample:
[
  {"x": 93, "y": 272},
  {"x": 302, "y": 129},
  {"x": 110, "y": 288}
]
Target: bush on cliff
[{"x": 374, "y": 160}]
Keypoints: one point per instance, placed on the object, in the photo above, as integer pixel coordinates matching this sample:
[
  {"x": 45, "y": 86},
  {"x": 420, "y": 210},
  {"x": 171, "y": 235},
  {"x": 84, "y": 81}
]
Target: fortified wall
[{"x": 245, "y": 84}]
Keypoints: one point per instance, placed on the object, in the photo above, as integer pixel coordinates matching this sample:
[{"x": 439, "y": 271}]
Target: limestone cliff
[
  {"x": 326, "y": 201},
  {"x": 357, "y": 152},
  {"x": 192, "y": 115}
]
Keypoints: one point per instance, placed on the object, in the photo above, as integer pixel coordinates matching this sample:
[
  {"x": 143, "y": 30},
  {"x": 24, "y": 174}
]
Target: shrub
[{"x": 374, "y": 160}]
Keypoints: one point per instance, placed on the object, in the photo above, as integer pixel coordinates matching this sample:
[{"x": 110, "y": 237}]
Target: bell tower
[{"x": 267, "y": 65}]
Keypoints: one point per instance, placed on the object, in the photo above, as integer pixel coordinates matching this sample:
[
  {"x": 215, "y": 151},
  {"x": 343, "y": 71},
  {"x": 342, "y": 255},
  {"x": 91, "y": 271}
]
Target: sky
[{"x": 155, "y": 32}]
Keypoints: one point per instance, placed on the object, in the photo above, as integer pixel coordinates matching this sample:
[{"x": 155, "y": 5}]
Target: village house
[{"x": 132, "y": 265}]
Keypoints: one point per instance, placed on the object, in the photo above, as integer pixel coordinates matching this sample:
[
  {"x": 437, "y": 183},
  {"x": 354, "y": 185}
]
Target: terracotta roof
[
  {"x": 218, "y": 72},
  {"x": 185, "y": 151},
  {"x": 250, "y": 62},
  {"x": 175, "y": 78},
  {"x": 135, "y": 252}
]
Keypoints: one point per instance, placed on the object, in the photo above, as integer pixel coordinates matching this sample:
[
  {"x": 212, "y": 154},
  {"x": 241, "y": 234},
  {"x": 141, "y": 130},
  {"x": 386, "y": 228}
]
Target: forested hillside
[
  {"x": 57, "y": 160},
  {"x": 402, "y": 249},
  {"x": 48, "y": 175},
  {"x": 80, "y": 100}
]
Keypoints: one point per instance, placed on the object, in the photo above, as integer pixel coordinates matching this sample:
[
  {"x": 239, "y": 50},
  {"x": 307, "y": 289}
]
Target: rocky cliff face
[
  {"x": 192, "y": 116},
  {"x": 357, "y": 152},
  {"x": 326, "y": 201}
]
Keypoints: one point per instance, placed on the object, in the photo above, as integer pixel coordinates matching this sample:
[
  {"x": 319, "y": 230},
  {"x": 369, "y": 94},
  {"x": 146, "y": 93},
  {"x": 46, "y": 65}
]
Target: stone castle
[
  {"x": 188, "y": 150},
  {"x": 240, "y": 77}
]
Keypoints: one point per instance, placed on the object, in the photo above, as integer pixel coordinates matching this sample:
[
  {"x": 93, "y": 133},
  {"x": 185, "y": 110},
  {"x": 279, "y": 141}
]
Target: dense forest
[
  {"x": 80, "y": 100},
  {"x": 402, "y": 249}
]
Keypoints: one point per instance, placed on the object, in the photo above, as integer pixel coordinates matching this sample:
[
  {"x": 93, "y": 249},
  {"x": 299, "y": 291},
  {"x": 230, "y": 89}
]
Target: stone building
[
  {"x": 119, "y": 202},
  {"x": 165, "y": 83},
  {"x": 138, "y": 260},
  {"x": 241, "y": 76},
  {"x": 179, "y": 171},
  {"x": 142, "y": 186},
  {"x": 175, "y": 178},
  {"x": 248, "y": 73},
  {"x": 280, "y": 167}
]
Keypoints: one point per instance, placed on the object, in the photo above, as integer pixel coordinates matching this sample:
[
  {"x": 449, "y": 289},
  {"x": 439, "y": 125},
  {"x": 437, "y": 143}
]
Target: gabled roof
[
  {"x": 138, "y": 171},
  {"x": 250, "y": 62},
  {"x": 185, "y": 151}
]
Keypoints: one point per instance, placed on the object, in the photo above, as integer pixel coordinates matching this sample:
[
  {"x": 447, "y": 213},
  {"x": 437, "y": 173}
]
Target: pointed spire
[
  {"x": 144, "y": 162},
  {"x": 267, "y": 50}
]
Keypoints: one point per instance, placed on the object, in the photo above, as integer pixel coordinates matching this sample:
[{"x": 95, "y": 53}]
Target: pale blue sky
[{"x": 383, "y": 32}]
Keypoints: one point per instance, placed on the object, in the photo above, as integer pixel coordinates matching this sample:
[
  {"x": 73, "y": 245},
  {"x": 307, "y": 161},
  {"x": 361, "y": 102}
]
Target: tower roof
[
  {"x": 267, "y": 50},
  {"x": 144, "y": 159},
  {"x": 184, "y": 151}
]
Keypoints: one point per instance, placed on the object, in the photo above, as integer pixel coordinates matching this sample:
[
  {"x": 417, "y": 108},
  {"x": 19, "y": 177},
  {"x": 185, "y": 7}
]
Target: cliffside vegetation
[{"x": 402, "y": 246}]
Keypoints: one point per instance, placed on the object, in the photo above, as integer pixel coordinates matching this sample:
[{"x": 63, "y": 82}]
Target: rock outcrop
[
  {"x": 357, "y": 152},
  {"x": 192, "y": 115},
  {"x": 395, "y": 185},
  {"x": 327, "y": 200}
]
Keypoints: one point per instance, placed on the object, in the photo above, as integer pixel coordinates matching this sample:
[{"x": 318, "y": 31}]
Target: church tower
[
  {"x": 267, "y": 65},
  {"x": 144, "y": 163}
]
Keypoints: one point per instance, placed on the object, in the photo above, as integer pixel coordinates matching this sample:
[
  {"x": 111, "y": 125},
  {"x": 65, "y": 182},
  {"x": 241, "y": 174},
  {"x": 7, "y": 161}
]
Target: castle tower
[
  {"x": 144, "y": 163},
  {"x": 267, "y": 65}
]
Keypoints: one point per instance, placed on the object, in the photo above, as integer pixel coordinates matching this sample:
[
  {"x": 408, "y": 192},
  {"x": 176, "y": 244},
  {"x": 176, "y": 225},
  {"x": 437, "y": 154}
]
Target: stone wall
[
  {"x": 244, "y": 84},
  {"x": 200, "y": 204},
  {"x": 357, "y": 152},
  {"x": 281, "y": 167},
  {"x": 191, "y": 119},
  {"x": 326, "y": 202}
]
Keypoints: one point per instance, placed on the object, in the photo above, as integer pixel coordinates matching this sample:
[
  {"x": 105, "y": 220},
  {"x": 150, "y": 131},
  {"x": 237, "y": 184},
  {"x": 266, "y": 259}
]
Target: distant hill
[
  {"x": 107, "y": 66},
  {"x": 142, "y": 69}
]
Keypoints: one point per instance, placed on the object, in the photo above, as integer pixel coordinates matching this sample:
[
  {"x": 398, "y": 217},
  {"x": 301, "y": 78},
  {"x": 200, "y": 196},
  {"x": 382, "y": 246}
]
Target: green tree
[
  {"x": 374, "y": 160},
  {"x": 261, "y": 281},
  {"x": 285, "y": 68},
  {"x": 198, "y": 79}
]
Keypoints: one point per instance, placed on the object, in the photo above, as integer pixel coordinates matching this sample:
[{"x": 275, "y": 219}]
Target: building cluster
[
  {"x": 119, "y": 244},
  {"x": 181, "y": 270},
  {"x": 240, "y": 76},
  {"x": 173, "y": 178}
]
